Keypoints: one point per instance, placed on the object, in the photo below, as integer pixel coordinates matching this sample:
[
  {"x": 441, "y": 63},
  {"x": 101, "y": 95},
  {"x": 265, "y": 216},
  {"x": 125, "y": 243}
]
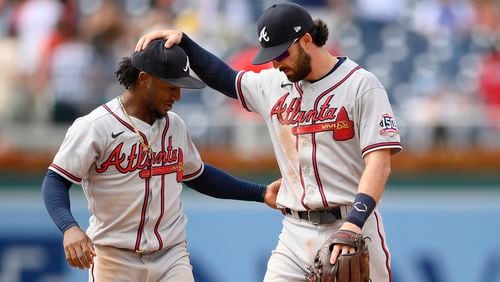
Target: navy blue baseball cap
[
  {"x": 278, "y": 27},
  {"x": 168, "y": 64}
]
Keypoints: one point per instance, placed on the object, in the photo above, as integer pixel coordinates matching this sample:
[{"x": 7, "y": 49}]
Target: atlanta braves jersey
[
  {"x": 321, "y": 131},
  {"x": 133, "y": 195}
]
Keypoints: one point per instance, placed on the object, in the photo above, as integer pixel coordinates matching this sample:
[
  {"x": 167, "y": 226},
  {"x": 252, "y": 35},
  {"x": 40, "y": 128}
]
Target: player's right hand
[
  {"x": 172, "y": 36},
  {"x": 78, "y": 248},
  {"x": 272, "y": 193}
]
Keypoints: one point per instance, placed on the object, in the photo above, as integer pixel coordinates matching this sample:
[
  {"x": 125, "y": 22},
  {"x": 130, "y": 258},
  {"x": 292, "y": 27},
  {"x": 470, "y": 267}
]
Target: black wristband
[{"x": 363, "y": 206}]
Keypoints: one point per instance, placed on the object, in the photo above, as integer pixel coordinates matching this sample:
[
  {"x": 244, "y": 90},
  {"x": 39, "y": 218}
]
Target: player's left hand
[
  {"x": 272, "y": 193},
  {"x": 78, "y": 248},
  {"x": 339, "y": 249}
]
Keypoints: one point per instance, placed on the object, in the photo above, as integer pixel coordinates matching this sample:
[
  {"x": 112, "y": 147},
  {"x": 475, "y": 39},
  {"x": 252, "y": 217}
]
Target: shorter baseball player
[{"x": 131, "y": 156}]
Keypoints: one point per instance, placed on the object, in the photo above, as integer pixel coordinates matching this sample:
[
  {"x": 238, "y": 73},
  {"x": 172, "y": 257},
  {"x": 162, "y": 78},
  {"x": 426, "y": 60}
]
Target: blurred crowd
[{"x": 438, "y": 59}]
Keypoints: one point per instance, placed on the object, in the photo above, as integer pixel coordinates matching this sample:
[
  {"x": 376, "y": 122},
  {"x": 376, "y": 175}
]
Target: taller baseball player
[
  {"x": 333, "y": 133},
  {"x": 131, "y": 156}
]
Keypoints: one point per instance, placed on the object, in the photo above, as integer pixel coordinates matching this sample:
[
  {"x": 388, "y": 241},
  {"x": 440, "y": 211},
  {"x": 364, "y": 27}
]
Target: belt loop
[{"x": 344, "y": 210}]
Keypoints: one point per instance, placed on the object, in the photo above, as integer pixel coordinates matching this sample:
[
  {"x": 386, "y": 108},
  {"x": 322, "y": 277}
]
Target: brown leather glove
[{"x": 354, "y": 267}]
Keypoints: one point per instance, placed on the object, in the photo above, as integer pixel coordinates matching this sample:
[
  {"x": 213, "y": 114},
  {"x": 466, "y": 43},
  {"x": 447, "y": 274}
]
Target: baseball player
[
  {"x": 131, "y": 156},
  {"x": 332, "y": 129}
]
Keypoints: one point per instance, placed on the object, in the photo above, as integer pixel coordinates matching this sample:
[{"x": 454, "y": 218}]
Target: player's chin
[
  {"x": 290, "y": 74},
  {"x": 167, "y": 107},
  {"x": 293, "y": 78},
  {"x": 161, "y": 114}
]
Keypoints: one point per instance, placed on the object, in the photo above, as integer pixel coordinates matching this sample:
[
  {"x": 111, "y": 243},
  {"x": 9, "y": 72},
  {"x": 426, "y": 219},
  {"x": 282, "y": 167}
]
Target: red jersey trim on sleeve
[
  {"x": 386, "y": 145},
  {"x": 65, "y": 173},
  {"x": 193, "y": 175},
  {"x": 239, "y": 90}
]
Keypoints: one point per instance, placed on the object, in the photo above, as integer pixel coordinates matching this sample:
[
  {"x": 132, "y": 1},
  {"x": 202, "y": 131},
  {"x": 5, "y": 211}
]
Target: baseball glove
[{"x": 354, "y": 267}]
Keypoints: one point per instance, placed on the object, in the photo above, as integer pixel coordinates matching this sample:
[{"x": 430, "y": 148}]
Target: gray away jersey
[
  {"x": 321, "y": 131},
  {"x": 134, "y": 203}
]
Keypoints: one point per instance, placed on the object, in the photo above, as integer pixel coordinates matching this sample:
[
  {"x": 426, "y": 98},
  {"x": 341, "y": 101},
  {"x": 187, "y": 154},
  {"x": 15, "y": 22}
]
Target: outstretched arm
[
  {"x": 219, "y": 184},
  {"x": 78, "y": 247},
  {"x": 212, "y": 70}
]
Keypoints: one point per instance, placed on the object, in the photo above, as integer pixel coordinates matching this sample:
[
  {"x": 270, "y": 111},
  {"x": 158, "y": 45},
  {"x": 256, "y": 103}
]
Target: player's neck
[
  {"x": 322, "y": 63},
  {"x": 135, "y": 108}
]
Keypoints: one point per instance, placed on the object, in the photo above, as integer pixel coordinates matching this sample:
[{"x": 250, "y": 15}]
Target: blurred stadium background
[{"x": 440, "y": 63}]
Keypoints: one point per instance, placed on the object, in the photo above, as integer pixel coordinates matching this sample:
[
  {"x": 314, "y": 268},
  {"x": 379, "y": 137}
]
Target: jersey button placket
[
  {"x": 147, "y": 220},
  {"x": 307, "y": 170},
  {"x": 308, "y": 103},
  {"x": 153, "y": 132},
  {"x": 310, "y": 191}
]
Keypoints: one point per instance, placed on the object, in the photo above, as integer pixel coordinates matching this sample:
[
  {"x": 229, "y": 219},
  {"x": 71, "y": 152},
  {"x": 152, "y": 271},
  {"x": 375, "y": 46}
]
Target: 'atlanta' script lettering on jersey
[
  {"x": 169, "y": 161},
  {"x": 324, "y": 118},
  {"x": 291, "y": 113}
]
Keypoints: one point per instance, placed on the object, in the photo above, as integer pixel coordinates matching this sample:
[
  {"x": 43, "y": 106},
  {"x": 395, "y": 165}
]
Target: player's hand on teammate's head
[
  {"x": 78, "y": 248},
  {"x": 272, "y": 193},
  {"x": 171, "y": 36}
]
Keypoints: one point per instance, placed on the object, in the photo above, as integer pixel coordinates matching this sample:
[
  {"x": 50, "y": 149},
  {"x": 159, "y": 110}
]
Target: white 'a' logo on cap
[
  {"x": 297, "y": 28},
  {"x": 263, "y": 35},
  {"x": 186, "y": 68}
]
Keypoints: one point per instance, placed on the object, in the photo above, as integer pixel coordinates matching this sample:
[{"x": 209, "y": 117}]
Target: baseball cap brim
[
  {"x": 270, "y": 53},
  {"x": 185, "y": 82}
]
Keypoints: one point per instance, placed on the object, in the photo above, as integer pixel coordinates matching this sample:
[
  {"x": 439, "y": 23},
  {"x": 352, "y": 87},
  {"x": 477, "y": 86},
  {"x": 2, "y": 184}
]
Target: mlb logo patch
[{"x": 388, "y": 125}]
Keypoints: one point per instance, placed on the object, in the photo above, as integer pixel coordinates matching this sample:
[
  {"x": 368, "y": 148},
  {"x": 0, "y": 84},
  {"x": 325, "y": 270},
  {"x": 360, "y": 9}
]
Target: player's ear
[
  {"x": 306, "y": 40},
  {"x": 143, "y": 78}
]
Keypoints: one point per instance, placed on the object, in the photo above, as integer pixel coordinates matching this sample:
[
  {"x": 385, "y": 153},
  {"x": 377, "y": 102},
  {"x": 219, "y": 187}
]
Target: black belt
[{"x": 317, "y": 216}]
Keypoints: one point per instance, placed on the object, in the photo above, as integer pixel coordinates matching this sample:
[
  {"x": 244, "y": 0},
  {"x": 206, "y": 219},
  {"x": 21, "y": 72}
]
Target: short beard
[
  {"x": 155, "y": 114},
  {"x": 302, "y": 66},
  {"x": 159, "y": 115}
]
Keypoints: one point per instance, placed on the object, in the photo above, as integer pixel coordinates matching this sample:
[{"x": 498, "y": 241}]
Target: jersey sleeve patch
[{"x": 388, "y": 126}]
